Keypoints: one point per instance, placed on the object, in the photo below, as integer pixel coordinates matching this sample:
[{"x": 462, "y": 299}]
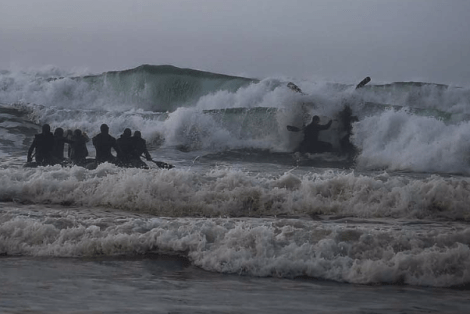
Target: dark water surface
[{"x": 162, "y": 284}]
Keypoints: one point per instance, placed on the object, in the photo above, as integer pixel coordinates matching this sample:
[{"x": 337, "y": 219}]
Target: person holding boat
[
  {"x": 42, "y": 146},
  {"x": 59, "y": 143},
  {"x": 140, "y": 149},
  {"x": 125, "y": 144},
  {"x": 103, "y": 143},
  {"x": 79, "y": 151}
]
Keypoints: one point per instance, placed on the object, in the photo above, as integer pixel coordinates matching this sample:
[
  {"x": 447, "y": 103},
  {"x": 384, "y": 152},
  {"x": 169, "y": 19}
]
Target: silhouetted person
[
  {"x": 347, "y": 119},
  {"x": 310, "y": 143},
  {"x": 42, "y": 145},
  {"x": 59, "y": 143},
  {"x": 103, "y": 143},
  {"x": 140, "y": 148},
  {"x": 79, "y": 151},
  {"x": 126, "y": 148}
]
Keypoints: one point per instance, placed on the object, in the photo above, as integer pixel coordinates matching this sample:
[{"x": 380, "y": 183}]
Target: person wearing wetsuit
[
  {"x": 79, "y": 151},
  {"x": 310, "y": 143},
  {"x": 103, "y": 143},
  {"x": 126, "y": 147},
  {"x": 59, "y": 143},
  {"x": 140, "y": 148},
  {"x": 42, "y": 145},
  {"x": 347, "y": 119}
]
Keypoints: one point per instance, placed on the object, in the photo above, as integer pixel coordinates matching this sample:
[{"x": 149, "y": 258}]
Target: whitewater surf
[{"x": 240, "y": 212}]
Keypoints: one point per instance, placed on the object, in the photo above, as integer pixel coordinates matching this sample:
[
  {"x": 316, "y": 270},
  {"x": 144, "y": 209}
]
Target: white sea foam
[
  {"x": 234, "y": 192},
  {"x": 397, "y": 140},
  {"x": 394, "y": 140},
  {"x": 356, "y": 252},
  {"x": 359, "y": 227}
]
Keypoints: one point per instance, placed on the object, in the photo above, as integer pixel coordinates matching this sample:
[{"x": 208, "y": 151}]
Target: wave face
[
  {"x": 402, "y": 126},
  {"x": 153, "y": 88}
]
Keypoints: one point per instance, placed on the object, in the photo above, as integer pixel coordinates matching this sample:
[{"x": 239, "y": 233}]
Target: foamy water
[{"x": 239, "y": 202}]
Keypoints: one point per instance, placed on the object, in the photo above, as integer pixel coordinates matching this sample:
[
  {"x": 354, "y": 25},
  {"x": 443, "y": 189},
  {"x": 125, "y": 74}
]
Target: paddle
[
  {"x": 162, "y": 164},
  {"x": 293, "y": 128},
  {"x": 295, "y": 88},
  {"x": 363, "y": 83}
]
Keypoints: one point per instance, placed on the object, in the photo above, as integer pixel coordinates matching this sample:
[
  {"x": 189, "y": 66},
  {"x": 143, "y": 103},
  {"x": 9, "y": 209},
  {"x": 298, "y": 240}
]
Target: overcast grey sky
[{"x": 340, "y": 40}]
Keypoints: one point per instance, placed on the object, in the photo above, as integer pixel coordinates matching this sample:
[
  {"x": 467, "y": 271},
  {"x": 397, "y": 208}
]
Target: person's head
[
  {"x": 104, "y": 128},
  {"x": 46, "y": 128},
  {"x": 137, "y": 134},
  {"x": 59, "y": 132},
  {"x": 316, "y": 119},
  {"x": 77, "y": 132},
  {"x": 127, "y": 132}
]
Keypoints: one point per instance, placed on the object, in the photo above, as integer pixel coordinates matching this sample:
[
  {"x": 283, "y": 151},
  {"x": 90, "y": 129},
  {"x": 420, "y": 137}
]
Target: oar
[
  {"x": 295, "y": 88},
  {"x": 293, "y": 128},
  {"x": 162, "y": 164},
  {"x": 363, "y": 83}
]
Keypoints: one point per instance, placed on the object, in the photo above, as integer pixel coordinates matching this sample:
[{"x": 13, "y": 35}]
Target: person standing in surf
[
  {"x": 59, "y": 143},
  {"x": 103, "y": 143},
  {"x": 79, "y": 151},
  {"x": 43, "y": 146},
  {"x": 311, "y": 143},
  {"x": 140, "y": 148},
  {"x": 126, "y": 147}
]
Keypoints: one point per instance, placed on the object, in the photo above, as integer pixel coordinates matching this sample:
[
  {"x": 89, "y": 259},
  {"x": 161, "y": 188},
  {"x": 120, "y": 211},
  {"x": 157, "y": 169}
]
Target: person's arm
[
  {"x": 116, "y": 148},
  {"x": 85, "y": 136},
  {"x": 326, "y": 126},
  {"x": 66, "y": 140},
  {"x": 30, "y": 151},
  {"x": 146, "y": 152}
]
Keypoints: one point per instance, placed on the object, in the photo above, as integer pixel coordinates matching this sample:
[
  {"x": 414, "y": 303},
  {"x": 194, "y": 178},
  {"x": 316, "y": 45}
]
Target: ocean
[{"x": 241, "y": 224}]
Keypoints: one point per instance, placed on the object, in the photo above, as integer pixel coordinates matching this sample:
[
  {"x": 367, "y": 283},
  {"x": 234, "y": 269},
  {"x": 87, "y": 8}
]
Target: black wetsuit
[
  {"x": 139, "y": 149},
  {"x": 103, "y": 143},
  {"x": 310, "y": 143},
  {"x": 126, "y": 148},
  {"x": 79, "y": 151},
  {"x": 43, "y": 144},
  {"x": 58, "y": 150}
]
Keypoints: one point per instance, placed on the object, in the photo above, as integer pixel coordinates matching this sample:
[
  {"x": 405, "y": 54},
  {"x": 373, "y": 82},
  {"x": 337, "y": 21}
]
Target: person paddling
[
  {"x": 140, "y": 148},
  {"x": 311, "y": 143},
  {"x": 125, "y": 144}
]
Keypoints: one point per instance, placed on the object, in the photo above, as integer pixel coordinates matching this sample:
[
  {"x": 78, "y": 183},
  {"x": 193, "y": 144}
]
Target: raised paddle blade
[
  {"x": 363, "y": 82},
  {"x": 163, "y": 165},
  {"x": 293, "y": 128},
  {"x": 295, "y": 88}
]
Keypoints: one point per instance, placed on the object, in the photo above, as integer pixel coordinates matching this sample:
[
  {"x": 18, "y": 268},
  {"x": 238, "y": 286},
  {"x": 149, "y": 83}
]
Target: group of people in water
[
  {"x": 311, "y": 143},
  {"x": 48, "y": 148}
]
